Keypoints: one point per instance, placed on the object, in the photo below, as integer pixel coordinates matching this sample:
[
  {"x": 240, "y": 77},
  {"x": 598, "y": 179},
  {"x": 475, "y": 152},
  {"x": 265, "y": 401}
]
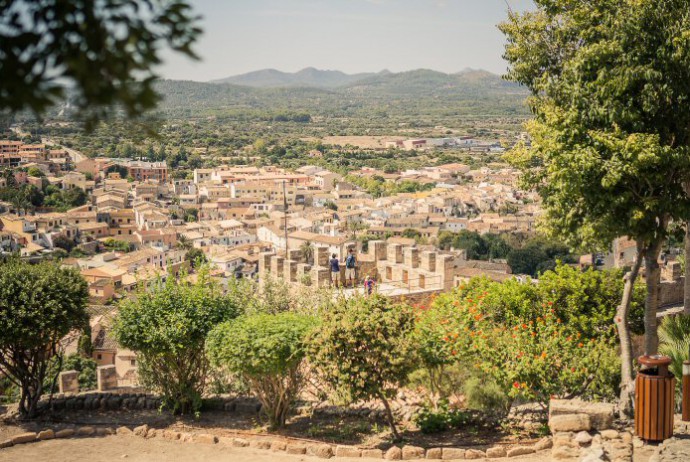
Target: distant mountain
[{"x": 309, "y": 77}]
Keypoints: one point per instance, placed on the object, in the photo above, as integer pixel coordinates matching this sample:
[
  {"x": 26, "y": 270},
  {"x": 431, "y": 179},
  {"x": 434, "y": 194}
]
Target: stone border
[{"x": 321, "y": 450}]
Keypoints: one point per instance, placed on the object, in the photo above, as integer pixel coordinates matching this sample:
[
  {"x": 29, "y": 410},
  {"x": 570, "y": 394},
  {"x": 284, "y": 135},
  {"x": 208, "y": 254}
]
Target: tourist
[
  {"x": 335, "y": 270},
  {"x": 350, "y": 264}
]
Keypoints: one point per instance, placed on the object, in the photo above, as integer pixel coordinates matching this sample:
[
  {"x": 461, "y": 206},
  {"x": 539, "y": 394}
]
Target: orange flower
[
  {"x": 543, "y": 354},
  {"x": 524, "y": 326},
  {"x": 524, "y": 385},
  {"x": 580, "y": 345},
  {"x": 572, "y": 369},
  {"x": 550, "y": 303},
  {"x": 478, "y": 317}
]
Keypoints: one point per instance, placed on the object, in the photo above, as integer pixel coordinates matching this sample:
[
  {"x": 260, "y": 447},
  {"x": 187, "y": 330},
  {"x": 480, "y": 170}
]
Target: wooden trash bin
[{"x": 655, "y": 389}]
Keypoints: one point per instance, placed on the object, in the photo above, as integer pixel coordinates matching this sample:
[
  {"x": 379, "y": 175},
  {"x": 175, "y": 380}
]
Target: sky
[{"x": 347, "y": 35}]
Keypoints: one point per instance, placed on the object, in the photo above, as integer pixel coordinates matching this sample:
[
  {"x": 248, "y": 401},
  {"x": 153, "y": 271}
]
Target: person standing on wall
[
  {"x": 335, "y": 270},
  {"x": 350, "y": 267}
]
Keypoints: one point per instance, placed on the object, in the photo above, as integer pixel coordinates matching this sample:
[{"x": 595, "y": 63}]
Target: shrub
[
  {"x": 363, "y": 349},
  {"x": 167, "y": 326},
  {"x": 484, "y": 394},
  {"x": 674, "y": 342},
  {"x": 267, "y": 351},
  {"x": 443, "y": 418},
  {"x": 39, "y": 305}
]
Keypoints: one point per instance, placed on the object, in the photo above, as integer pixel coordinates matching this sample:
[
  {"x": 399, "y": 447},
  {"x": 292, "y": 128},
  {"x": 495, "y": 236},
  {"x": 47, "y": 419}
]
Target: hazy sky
[{"x": 347, "y": 35}]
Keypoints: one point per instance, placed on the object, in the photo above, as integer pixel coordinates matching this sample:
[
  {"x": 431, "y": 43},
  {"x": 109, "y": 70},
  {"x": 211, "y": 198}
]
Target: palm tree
[
  {"x": 355, "y": 225},
  {"x": 674, "y": 341},
  {"x": 307, "y": 252}
]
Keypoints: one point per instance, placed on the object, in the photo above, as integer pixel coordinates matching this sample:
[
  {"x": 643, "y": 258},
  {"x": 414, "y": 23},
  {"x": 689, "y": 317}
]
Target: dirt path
[{"x": 134, "y": 449}]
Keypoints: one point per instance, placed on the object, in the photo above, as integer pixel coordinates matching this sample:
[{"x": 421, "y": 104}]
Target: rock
[
  {"x": 412, "y": 452},
  {"x": 544, "y": 443},
  {"x": 520, "y": 451},
  {"x": 496, "y": 452},
  {"x": 260, "y": 444},
  {"x": 434, "y": 453},
  {"x": 240, "y": 442},
  {"x": 609, "y": 434},
  {"x": 570, "y": 423},
  {"x": 637, "y": 443},
  {"x": 597, "y": 440},
  {"x": 22, "y": 438},
  {"x": 295, "y": 449},
  {"x": 583, "y": 438},
  {"x": 627, "y": 437},
  {"x": 186, "y": 437},
  {"x": 453, "y": 453},
  {"x": 372, "y": 454},
  {"x": 278, "y": 445},
  {"x": 46, "y": 435},
  {"x": 324, "y": 451},
  {"x": 394, "y": 453},
  {"x": 564, "y": 452},
  {"x": 152, "y": 433},
  {"x": 141, "y": 430},
  {"x": 86, "y": 431},
  {"x": 347, "y": 451},
  {"x": 601, "y": 414},
  {"x": 124, "y": 431},
  {"x": 563, "y": 439},
  {"x": 474, "y": 454},
  {"x": 593, "y": 455},
  {"x": 104, "y": 431},
  {"x": 6, "y": 444},
  {"x": 171, "y": 435},
  {"x": 66, "y": 433},
  {"x": 205, "y": 438}
]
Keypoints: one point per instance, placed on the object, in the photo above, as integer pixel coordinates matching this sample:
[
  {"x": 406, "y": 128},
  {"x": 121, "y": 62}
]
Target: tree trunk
[
  {"x": 686, "y": 288},
  {"x": 652, "y": 276},
  {"x": 627, "y": 383},
  {"x": 390, "y": 418}
]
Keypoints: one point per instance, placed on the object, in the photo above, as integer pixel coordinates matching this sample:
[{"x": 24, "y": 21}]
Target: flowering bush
[{"x": 525, "y": 348}]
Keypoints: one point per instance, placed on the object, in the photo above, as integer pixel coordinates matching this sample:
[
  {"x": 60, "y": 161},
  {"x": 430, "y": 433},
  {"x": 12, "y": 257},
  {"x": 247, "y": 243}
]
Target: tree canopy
[{"x": 104, "y": 52}]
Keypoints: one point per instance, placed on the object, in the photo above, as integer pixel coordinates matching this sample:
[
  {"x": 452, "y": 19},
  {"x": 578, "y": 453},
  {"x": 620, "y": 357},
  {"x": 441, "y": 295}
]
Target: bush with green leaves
[
  {"x": 267, "y": 352},
  {"x": 39, "y": 305},
  {"x": 364, "y": 349},
  {"x": 674, "y": 342},
  {"x": 85, "y": 366},
  {"x": 167, "y": 325},
  {"x": 443, "y": 418}
]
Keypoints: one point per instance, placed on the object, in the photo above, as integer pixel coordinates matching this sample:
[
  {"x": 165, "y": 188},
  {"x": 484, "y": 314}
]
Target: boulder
[
  {"x": 583, "y": 438},
  {"x": 453, "y": 453},
  {"x": 260, "y": 444},
  {"x": 104, "y": 431},
  {"x": 6, "y": 444},
  {"x": 570, "y": 423},
  {"x": 66, "y": 433},
  {"x": 412, "y": 452},
  {"x": 240, "y": 442},
  {"x": 564, "y": 453},
  {"x": 46, "y": 435},
  {"x": 609, "y": 434},
  {"x": 474, "y": 454},
  {"x": 434, "y": 453},
  {"x": 601, "y": 415},
  {"x": 394, "y": 453},
  {"x": 86, "y": 431},
  {"x": 520, "y": 451},
  {"x": 324, "y": 451},
  {"x": 544, "y": 443},
  {"x": 496, "y": 452},
  {"x": 141, "y": 430},
  {"x": 296, "y": 449},
  {"x": 278, "y": 445},
  {"x": 124, "y": 431},
  {"x": 347, "y": 451},
  {"x": 372, "y": 454},
  {"x": 22, "y": 438}
]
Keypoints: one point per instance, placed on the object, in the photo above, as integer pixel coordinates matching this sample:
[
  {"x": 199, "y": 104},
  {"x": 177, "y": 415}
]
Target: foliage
[
  {"x": 674, "y": 342},
  {"x": 195, "y": 257},
  {"x": 167, "y": 326},
  {"x": 64, "y": 200},
  {"x": 39, "y": 305},
  {"x": 117, "y": 245},
  {"x": 85, "y": 366},
  {"x": 63, "y": 242},
  {"x": 266, "y": 350},
  {"x": 482, "y": 393},
  {"x": 363, "y": 349},
  {"x": 118, "y": 42},
  {"x": 443, "y": 418}
]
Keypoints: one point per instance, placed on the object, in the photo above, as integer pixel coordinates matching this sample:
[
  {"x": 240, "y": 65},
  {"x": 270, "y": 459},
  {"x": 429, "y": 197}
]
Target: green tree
[
  {"x": 118, "y": 42},
  {"x": 167, "y": 326},
  {"x": 307, "y": 251},
  {"x": 267, "y": 351},
  {"x": 195, "y": 257},
  {"x": 35, "y": 171},
  {"x": 63, "y": 242},
  {"x": 39, "y": 305},
  {"x": 609, "y": 153},
  {"x": 363, "y": 349}
]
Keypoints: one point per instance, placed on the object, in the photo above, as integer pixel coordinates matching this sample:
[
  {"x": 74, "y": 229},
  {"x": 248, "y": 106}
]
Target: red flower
[{"x": 516, "y": 384}]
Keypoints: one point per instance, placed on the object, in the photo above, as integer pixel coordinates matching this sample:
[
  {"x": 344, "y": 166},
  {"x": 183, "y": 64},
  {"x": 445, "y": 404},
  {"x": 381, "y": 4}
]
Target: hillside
[
  {"x": 419, "y": 92},
  {"x": 309, "y": 77}
]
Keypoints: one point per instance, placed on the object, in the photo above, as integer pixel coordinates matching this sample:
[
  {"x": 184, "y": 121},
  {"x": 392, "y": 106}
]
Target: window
[
  {"x": 99, "y": 357},
  {"x": 132, "y": 362}
]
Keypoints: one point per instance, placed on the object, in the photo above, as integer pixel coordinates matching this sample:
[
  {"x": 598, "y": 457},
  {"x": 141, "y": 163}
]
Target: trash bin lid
[{"x": 654, "y": 360}]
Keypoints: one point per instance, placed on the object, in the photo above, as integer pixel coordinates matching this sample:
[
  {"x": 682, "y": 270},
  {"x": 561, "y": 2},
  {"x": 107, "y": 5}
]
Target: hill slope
[{"x": 309, "y": 77}]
